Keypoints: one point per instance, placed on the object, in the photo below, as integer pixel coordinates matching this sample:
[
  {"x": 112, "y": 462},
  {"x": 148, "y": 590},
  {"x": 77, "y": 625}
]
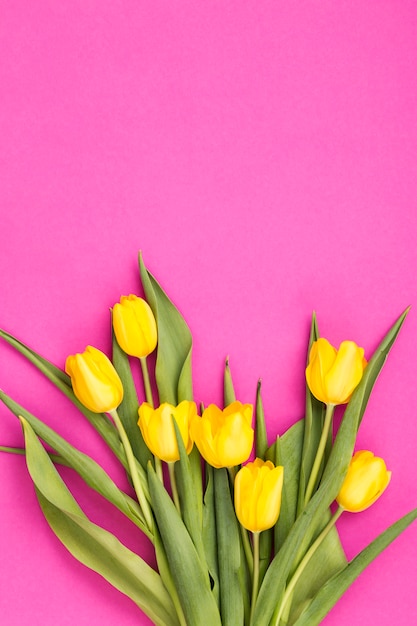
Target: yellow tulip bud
[
  {"x": 258, "y": 490},
  {"x": 158, "y": 430},
  {"x": 332, "y": 374},
  {"x": 224, "y": 438},
  {"x": 94, "y": 380},
  {"x": 134, "y": 326},
  {"x": 366, "y": 479}
]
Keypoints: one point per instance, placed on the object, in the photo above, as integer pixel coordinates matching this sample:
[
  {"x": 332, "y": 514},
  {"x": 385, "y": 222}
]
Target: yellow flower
[
  {"x": 224, "y": 438},
  {"x": 94, "y": 380},
  {"x": 366, "y": 479},
  {"x": 258, "y": 489},
  {"x": 332, "y": 374},
  {"x": 134, "y": 326},
  {"x": 158, "y": 430}
]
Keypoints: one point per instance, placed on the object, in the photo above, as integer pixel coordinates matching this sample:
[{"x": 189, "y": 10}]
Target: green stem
[
  {"x": 133, "y": 470},
  {"x": 255, "y": 577},
  {"x": 320, "y": 452},
  {"x": 175, "y": 496},
  {"x": 158, "y": 468},
  {"x": 12, "y": 450},
  {"x": 55, "y": 458},
  {"x": 247, "y": 548},
  {"x": 291, "y": 586},
  {"x": 146, "y": 381}
]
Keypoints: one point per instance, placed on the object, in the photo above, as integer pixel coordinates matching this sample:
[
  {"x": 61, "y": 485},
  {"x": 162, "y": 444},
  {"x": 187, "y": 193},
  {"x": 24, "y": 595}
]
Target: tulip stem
[
  {"x": 255, "y": 576},
  {"x": 158, "y": 468},
  {"x": 320, "y": 452},
  {"x": 175, "y": 496},
  {"x": 300, "y": 569},
  {"x": 243, "y": 532},
  {"x": 146, "y": 381},
  {"x": 133, "y": 470}
]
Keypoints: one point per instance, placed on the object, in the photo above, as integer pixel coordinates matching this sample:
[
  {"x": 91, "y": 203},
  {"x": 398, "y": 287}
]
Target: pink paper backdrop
[{"x": 263, "y": 157}]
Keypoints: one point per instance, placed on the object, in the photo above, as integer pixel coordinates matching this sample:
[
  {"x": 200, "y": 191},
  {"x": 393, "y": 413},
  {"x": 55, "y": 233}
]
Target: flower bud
[
  {"x": 366, "y": 479},
  {"x": 94, "y": 380},
  {"x": 332, "y": 374},
  {"x": 158, "y": 430},
  {"x": 134, "y": 326},
  {"x": 224, "y": 438},
  {"x": 258, "y": 490}
]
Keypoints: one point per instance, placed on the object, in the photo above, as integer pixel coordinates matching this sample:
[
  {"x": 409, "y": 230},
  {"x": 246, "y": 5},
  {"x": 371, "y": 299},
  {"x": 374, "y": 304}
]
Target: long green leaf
[
  {"x": 90, "y": 471},
  {"x": 326, "y": 561},
  {"x": 330, "y": 557},
  {"x": 261, "y": 436},
  {"x": 190, "y": 499},
  {"x": 91, "y": 545},
  {"x": 313, "y": 424},
  {"x": 286, "y": 451},
  {"x": 185, "y": 565},
  {"x": 100, "y": 422},
  {"x": 229, "y": 553},
  {"x": 173, "y": 364},
  {"x": 307, "y": 523},
  {"x": 332, "y": 591},
  {"x": 209, "y": 530},
  {"x": 229, "y": 395}
]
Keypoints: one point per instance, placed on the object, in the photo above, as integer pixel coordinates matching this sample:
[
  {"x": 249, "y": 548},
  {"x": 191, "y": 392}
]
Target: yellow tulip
[
  {"x": 134, "y": 326},
  {"x": 94, "y": 380},
  {"x": 224, "y": 438},
  {"x": 365, "y": 481},
  {"x": 158, "y": 430},
  {"x": 258, "y": 490},
  {"x": 332, "y": 375}
]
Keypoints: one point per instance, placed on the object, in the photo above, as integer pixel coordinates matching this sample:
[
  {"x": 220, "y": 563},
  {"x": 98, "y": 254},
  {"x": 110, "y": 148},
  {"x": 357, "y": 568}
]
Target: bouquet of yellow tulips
[{"x": 238, "y": 542}]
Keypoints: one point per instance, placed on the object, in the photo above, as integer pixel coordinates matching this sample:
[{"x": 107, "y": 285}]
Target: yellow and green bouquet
[{"x": 238, "y": 542}]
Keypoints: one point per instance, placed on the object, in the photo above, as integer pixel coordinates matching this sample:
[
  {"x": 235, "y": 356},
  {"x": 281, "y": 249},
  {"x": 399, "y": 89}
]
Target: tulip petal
[
  {"x": 345, "y": 374},
  {"x": 321, "y": 360}
]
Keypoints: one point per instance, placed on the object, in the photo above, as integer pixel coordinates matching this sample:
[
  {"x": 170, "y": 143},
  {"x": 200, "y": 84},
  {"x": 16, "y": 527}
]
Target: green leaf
[
  {"x": 332, "y": 591},
  {"x": 190, "y": 498},
  {"x": 229, "y": 395},
  {"x": 100, "y": 422},
  {"x": 90, "y": 471},
  {"x": 313, "y": 425},
  {"x": 307, "y": 523},
  {"x": 209, "y": 530},
  {"x": 91, "y": 545},
  {"x": 287, "y": 452},
  {"x": 230, "y": 559},
  {"x": 128, "y": 410},
  {"x": 261, "y": 437},
  {"x": 173, "y": 364},
  {"x": 191, "y": 581},
  {"x": 330, "y": 557}
]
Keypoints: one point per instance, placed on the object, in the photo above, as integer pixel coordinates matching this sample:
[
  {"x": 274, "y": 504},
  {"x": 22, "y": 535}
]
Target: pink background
[{"x": 263, "y": 157}]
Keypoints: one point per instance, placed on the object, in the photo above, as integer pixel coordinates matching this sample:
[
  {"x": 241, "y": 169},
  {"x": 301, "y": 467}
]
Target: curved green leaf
[
  {"x": 90, "y": 471},
  {"x": 187, "y": 572},
  {"x": 313, "y": 424},
  {"x": 173, "y": 364},
  {"x": 332, "y": 591},
  {"x": 100, "y": 422},
  {"x": 91, "y": 545},
  {"x": 190, "y": 497},
  {"x": 310, "y": 519}
]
